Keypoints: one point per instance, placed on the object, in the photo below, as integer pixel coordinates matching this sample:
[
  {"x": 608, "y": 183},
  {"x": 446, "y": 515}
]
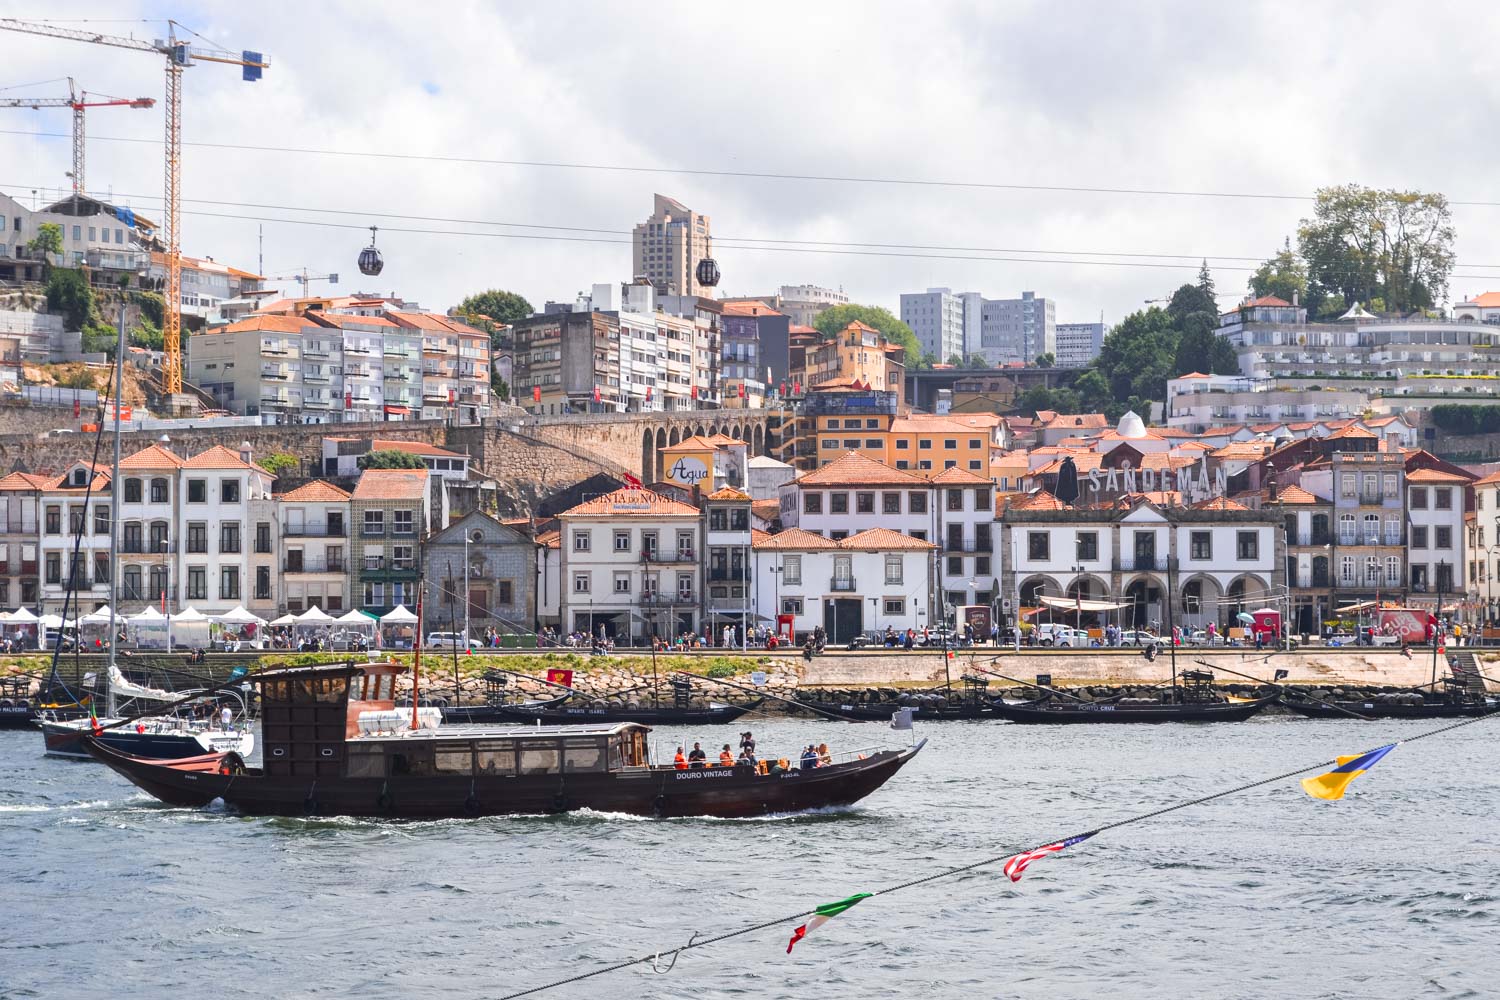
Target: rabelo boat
[
  {"x": 335, "y": 744},
  {"x": 1192, "y": 700}
]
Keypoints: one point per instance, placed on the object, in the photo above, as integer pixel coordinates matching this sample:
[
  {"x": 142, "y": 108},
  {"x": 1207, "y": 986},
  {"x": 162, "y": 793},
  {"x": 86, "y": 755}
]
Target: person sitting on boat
[
  {"x": 679, "y": 762},
  {"x": 697, "y": 758},
  {"x": 824, "y": 757},
  {"x": 746, "y": 759},
  {"x": 747, "y": 743},
  {"x": 726, "y": 757},
  {"x": 809, "y": 757}
]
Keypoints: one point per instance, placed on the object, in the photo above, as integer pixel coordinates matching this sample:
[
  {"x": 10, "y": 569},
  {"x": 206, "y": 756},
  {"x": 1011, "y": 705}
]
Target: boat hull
[
  {"x": 66, "y": 740},
  {"x": 1380, "y": 710},
  {"x": 658, "y": 792},
  {"x": 1048, "y": 712},
  {"x": 16, "y": 716},
  {"x": 563, "y": 715},
  {"x": 882, "y": 712}
]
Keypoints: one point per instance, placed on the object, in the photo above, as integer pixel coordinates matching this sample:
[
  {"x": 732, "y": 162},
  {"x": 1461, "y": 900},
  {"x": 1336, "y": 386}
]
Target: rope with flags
[{"x": 1331, "y": 785}]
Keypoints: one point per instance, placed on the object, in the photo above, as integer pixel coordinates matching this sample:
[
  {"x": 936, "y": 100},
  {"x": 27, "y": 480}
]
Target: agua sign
[{"x": 689, "y": 470}]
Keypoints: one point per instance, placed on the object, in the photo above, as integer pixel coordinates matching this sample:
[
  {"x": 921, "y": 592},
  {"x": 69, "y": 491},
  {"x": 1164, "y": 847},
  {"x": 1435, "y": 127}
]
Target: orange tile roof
[
  {"x": 1242, "y": 449},
  {"x": 1490, "y": 480},
  {"x": 1195, "y": 375},
  {"x": 152, "y": 457},
  {"x": 1487, "y": 300},
  {"x": 746, "y": 307},
  {"x": 1085, "y": 421},
  {"x": 1295, "y": 494},
  {"x": 219, "y": 457},
  {"x": 550, "y": 539},
  {"x": 1219, "y": 503},
  {"x": 759, "y": 538},
  {"x": 853, "y": 469},
  {"x": 1434, "y": 476},
  {"x": 1265, "y": 300},
  {"x": 1351, "y": 430},
  {"x": 269, "y": 324},
  {"x": 794, "y": 538},
  {"x": 766, "y": 510},
  {"x": 25, "y": 481},
  {"x": 727, "y": 493},
  {"x": 631, "y": 502},
  {"x": 391, "y": 484},
  {"x": 414, "y": 448},
  {"x": 959, "y": 477},
  {"x": 432, "y": 321},
  {"x": 341, "y": 320},
  {"x": 316, "y": 491},
  {"x": 880, "y": 539},
  {"x": 1040, "y": 500}
]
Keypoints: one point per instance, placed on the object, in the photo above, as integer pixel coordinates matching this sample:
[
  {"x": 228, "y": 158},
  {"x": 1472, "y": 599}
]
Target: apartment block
[
  {"x": 936, "y": 316},
  {"x": 1078, "y": 344},
  {"x": 389, "y": 510},
  {"x": 667, "y": 247}
]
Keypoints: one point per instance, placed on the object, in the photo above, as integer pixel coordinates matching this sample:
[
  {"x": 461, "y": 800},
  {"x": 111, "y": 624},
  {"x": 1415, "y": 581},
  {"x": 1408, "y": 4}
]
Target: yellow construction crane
[
  {"x": 179, "y": 55},
  {"x": 78, "y": 101}
]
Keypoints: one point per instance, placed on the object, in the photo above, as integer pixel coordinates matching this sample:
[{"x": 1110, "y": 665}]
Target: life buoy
[{"x": 471, "y": 805}]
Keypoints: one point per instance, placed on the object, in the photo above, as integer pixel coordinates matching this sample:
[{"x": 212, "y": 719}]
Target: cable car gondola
[
  {"x": 708, "y": 272},
  {"x": 370, "y": 261}
]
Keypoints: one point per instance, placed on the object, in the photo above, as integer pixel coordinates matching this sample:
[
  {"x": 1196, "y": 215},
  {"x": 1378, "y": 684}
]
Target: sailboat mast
[
  {"x": 114, "y": 516},
  {"x": 416, "y": 658},
  {"x": 1171, "y": 632}
]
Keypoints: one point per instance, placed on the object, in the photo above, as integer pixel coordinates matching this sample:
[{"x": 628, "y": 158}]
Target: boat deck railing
[{"x": 793, "y": 760}]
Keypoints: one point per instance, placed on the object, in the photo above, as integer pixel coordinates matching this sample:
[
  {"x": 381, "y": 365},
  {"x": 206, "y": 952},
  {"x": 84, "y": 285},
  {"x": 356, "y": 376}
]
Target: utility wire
[
  {"x": 961, "y": 869},
  {"x": 703, "y": 172}
]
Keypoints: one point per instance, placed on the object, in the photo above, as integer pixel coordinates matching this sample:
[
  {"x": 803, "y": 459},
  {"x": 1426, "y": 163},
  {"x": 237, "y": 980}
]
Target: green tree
[
  {"x": 1093, "y": 392},
  {"x": 1041, "y": 398},
  {"x": 955, "y": 360},
  {"x": 1046, "y": 359},
  {"x": 390, "y": 458},
  {"x": 1284, "y": 276},
  {"x": 68, "y": 293},
  {"x": 1364, "y": 243},
  {"x": 1192, "y": 299},
  {"x": 146, "y": 334},
  {"x": 927, "y": 360},
  {"x": 494, "y": 309},
  {"x": 281, "y": 463},
  {"x": 48, "y": 239},
  {"x": 831, "y": 321},
  {"x": 1206, "y": 283},
  {"x": 153, "y": 307},
  {"x": 976, "y": 361},
  {"x": 1140, "y": 354},
  {"x": 499, "y": 386},
  {"x": 1201, "y": 349}
]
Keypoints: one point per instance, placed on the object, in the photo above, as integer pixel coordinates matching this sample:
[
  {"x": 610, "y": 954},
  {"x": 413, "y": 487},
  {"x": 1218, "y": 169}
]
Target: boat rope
[
  {"x": 652, "y": 959},
  {"x": 1282, "y": 688},
  {"x": 767, "y": 694}
]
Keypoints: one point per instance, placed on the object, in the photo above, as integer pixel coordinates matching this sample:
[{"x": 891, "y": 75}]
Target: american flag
[{"x": 1017, "y": 865}]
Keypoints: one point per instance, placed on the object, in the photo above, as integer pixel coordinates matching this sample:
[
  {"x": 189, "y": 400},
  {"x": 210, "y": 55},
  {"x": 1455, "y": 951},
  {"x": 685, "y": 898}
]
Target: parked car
[
  {"x": 447, "y": 640},
  {"x": 1200, "y": 637},
  {"x": 1136, "y": 637},
  {"x": 867, "y": 640},
  {"x": 1071, "y": 638}
]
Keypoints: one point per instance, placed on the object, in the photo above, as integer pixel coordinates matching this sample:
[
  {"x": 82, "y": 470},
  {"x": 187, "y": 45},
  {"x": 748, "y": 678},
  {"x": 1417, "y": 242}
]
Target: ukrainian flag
[{"x": 1333, "y": 784}]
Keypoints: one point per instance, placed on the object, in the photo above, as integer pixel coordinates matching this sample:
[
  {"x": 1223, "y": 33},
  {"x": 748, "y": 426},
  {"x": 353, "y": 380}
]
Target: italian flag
[{"x": 822, "y": 915}]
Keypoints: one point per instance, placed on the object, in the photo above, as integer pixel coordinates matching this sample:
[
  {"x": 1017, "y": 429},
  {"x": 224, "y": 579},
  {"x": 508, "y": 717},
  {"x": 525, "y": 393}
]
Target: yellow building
[{"x": 931, "y": 443}]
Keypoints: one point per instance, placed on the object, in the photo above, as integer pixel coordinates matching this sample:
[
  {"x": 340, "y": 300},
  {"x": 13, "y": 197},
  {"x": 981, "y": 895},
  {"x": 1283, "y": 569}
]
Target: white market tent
[
  {"x": 21, "y": 616},
  {"x": 99, "y": 616},
  {"x": 284, "y": 621},
  {"x": 314, "y": 616},
  {"x": 398, "y": 616},
  {"x": 149, "y": 627},
  {"x": 239, "y": 616},
  {"x": 49, "y": 621},
  {"x": 188, "y": 624},
  {"x": 357, "y": 618},
  {"x": 398, "y": 628}
]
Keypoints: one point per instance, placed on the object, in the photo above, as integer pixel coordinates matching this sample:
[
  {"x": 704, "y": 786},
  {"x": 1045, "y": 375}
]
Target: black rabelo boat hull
[
  {"x": 1377, "y": 710},
  {"x": 1050, "y": 712},
  {"x": 563, "y": 715},
  {"x": 659, "y": 792},
  {"x": 882, "y": 712}
]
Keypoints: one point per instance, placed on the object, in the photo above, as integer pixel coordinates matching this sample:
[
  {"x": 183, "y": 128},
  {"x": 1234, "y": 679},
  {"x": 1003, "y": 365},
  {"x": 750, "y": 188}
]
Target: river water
[{"x": 1392, "y": 892}]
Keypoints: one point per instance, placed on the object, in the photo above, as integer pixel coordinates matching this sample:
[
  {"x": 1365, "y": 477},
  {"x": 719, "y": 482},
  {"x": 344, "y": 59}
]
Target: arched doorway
[
  {"x": 648, "y": 456},
  {"x": 758, "y": 445},
  {"x": 1143, "y": 604},
  {"x": 1199, "y": 602},
  {"x": 1244, "y": 595},
  {"x": 1087, "y": 588},
  {"x": 675, "y": 438},
  {"x": 661, "y": 442}
]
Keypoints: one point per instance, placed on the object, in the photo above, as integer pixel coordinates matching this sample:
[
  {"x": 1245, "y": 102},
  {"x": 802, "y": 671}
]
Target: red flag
[
  {"x": 450, "y": 397},
  {"x": 596, "y": 394},
  {"x": 633, "y": 482},
  {"x": 536, "y": 394},
  {"x": 695, "y": 392},
  {"x": 648, "y": 394},
  {"x": 563, "y": 677},
  {"x": 77, "y": 409},
  {"x": 796, "y": 388},
  {"x": 348, "y": 399},
  {"x": 742, "y": 390}
]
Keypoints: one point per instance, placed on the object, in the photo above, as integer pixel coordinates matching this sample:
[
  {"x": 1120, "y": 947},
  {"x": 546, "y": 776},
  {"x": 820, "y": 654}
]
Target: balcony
[
  {"x": 682, "y": 597},
  {"x": 315, "y": 566},
  {"x": 728, "y": 576},
  {"x": 1141, "y": 564},
  {"x": 841, "y": 586},
  {"x": 953, "y": 545},
  {"x": 314, "y": 531},
  {"x": 667, "y": 556}
]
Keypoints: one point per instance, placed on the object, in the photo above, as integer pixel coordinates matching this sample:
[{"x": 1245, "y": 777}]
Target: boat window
[
  {"x": 329, "y": 690},
  {"x": 616, "y": 753},
  {"x": 357, "y": 688},
  {"x": 273, "y": 691},
  {"x": 455, "y": 759},
  {"x": 582, "y": 755},
  {"x": 366, "y": 761},
  {"x": 412, "y": 760},
  {"x": 496, "y": 758},
  {"x": 539, "y": 757}
]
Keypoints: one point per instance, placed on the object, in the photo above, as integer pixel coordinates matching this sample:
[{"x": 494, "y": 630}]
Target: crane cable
[{"x": 695, "y": 942}]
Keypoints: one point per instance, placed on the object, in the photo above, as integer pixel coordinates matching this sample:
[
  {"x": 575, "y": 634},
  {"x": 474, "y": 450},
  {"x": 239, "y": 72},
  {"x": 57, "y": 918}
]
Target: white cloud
[{"x": 1265, "y": 97}]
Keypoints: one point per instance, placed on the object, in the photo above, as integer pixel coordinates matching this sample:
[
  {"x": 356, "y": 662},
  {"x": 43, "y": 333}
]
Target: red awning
[{"x": 396, "y": 409}]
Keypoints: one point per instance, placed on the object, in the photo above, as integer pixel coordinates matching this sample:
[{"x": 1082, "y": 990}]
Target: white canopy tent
[
  {"x": 284, "y": 621},
  {"x": 398, "y": 628},
  {"x": 315, "y": 616},
  {"x": 148, "y": 628},
  {"x": 398, "y": 616},
  {"x": 21, "y": 616},
  {"x": 358, "y": 619},
  {"x": 239, "y": 616},
  {"x": 189, "y": 627},
  {"x": 99, "y": 616}
]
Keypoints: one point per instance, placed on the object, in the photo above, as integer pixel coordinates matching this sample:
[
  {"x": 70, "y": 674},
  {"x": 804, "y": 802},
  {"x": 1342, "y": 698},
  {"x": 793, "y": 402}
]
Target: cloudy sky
[{"x": 1253, "y": 99}]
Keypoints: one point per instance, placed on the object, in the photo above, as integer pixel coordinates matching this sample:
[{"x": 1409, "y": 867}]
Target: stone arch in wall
[
  {"x": 676, "y": 437},
  {"x": 1033, "y": 587},
  {"x": 1200, "y": 601},
  {"x": 758, "y": 445},
  {"x": 1246, "y": 593},
  {"x": 661, "y": 442},
  {"x": 648, "y": 455},
  {"x": 738, "y": 433}
]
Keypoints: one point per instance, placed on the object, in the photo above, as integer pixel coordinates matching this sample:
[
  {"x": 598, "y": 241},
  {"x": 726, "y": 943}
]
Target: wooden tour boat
[
  {"x": 1193, "y": 700},
  {"x": 335, "y": 744}
]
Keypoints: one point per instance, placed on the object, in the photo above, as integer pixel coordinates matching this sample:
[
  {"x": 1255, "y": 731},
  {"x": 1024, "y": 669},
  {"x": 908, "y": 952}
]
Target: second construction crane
[
  {"x": 78, "y": 101},
  {"x": 179, "y": 55}
]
